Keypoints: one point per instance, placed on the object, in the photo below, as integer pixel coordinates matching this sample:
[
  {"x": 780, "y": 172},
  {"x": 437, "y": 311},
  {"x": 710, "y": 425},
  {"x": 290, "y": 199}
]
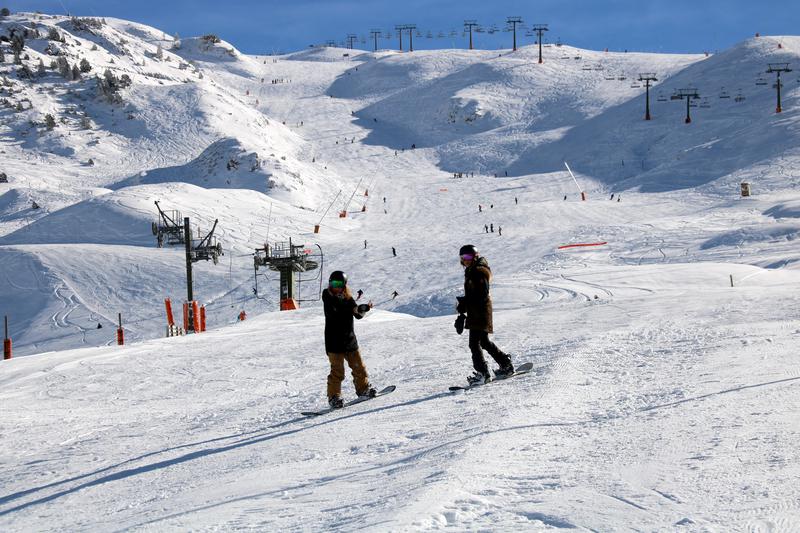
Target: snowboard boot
[
  {"x": 479, "y": 378},
  {"x": 370, "y": 392},
  {"x": 336, "y": 402},
  {"x": 504, "y": 371}
]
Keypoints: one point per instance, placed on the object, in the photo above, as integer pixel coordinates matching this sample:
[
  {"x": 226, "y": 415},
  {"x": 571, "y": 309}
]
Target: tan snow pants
[{"x": 335, "y": 378}]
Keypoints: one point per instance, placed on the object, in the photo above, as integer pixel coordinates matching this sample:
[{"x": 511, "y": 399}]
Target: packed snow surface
[{"x": 665, "y": 392}]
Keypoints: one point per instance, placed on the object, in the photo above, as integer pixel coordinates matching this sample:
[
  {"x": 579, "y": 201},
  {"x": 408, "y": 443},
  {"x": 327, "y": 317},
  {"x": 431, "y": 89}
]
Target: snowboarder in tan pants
[{"x": 340, "y": 339}]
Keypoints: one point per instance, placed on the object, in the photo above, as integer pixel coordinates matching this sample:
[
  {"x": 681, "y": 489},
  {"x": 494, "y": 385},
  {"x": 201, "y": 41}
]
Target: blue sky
[{"x": 269, "y": 26}]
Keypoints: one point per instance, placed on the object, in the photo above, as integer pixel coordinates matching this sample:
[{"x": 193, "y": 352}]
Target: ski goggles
[
  {"x": 336, "y": 284},
  {"x": 467, "y": 257}
]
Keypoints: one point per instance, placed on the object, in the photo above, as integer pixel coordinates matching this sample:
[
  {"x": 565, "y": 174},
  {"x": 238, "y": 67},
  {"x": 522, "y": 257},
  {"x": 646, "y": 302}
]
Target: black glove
[
  {"x": 363, "y": 308},
  {"x": 461, "y": 307},
  {"x": 459, "y": 325}
]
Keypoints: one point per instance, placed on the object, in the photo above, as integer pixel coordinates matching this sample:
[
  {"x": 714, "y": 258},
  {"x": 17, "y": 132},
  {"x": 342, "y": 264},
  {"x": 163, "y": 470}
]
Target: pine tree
[
  {"x": 76, "y": 72},
  {"x": 40, "y": 68},
  {"x": 49, "y": 121},
  {"x": 85, "y": 66}
]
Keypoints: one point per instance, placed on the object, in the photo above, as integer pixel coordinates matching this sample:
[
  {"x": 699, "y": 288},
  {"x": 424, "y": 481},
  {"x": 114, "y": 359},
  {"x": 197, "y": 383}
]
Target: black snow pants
[{"x": 479, "y": 341}]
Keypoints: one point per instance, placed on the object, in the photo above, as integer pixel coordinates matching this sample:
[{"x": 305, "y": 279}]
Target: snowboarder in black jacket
[
  {"x": 476, "y": 304},
  {"x": 340, "y": 339}
]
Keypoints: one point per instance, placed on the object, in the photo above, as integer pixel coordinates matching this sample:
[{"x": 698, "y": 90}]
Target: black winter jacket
[{"x": 339, "y": 314}]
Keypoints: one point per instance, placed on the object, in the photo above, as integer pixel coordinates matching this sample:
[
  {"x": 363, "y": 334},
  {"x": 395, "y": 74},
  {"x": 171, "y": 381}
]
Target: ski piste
[
  {"x": 382, "y": 392},
  {"x": 524, "y": 368}
]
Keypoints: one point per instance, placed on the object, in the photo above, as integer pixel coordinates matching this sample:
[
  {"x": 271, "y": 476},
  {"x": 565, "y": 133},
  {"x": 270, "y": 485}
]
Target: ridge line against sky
[{"x": 264, "y": 27}]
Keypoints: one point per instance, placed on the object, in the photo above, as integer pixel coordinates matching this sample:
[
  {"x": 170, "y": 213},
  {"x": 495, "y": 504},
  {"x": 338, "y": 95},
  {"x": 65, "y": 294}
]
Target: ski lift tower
[
  {"x": 690, "y": 94},
  {"x": 647, "y": 77},
  {"x": 289, "y": 260},
  {"x": 512, "y": 26},
  {"x": 777, "y": 68},
  {"x": 207, "y": 248},
  {"x": 540, "y": 29}
]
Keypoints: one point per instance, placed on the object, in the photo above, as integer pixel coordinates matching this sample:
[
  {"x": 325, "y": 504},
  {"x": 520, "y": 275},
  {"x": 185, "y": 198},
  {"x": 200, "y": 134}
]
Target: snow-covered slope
[{"x": 664, "y": 398}]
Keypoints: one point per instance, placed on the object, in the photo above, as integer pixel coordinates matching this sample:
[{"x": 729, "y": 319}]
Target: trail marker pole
[
  {"x": 583, "y": 194},
  {"x": 120, "y": 332},
  {"x": 6, "y": 341}
]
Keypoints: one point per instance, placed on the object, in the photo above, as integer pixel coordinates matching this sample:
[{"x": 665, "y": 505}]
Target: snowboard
[
  {"x": 524, "y": 368},
  {"x": 382, "y": 392}
]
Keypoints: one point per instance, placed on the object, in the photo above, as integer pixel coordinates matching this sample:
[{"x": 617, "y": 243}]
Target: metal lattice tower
[
  {"x": 351, "y": 38},
  {"x": 540, "y": 29},
  {"x": 647, "y": 77},
  {"x": 777, "y": 68},
  {"x": 468, "y": 25},
  {"x": 513, "y": 21}
]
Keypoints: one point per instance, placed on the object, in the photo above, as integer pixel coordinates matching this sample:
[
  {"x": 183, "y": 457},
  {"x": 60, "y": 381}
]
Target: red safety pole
[
  {"x": 168, "y": 305},
  {"x": 202, "y": 318},
  {"x": 120, "y": 333},
  {"x": 195, "y": 317},
  {"x": 6, "y": 342},
  {"x": 186, "y": 317}
]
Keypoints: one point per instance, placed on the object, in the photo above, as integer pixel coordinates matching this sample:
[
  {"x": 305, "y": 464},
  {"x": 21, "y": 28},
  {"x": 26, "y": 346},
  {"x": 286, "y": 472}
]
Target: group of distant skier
[{"x": 474, "y": 310}]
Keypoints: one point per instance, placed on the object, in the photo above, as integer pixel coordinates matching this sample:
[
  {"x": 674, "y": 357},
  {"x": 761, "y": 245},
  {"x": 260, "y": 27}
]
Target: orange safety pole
[
  {"x": 195, "y": 317},
  {"x": 168, "y": 305},
  {"x": 202, "y": 318},
  {"x": 120, "y": 333},
  {"x": 186, "y": 316},
  {"x": 6, "y": 342}
]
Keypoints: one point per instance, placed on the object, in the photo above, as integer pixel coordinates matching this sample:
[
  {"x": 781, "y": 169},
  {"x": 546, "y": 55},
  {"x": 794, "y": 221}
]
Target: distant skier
[
  {"x": 242, "y": 316},
  {"x": 491, "y": 228},
  {"x": 476, "y": 304},
  {"x": 394, "y": 295},
  {"x": 394, "y": 252},
  {"x": 480, "y": 208},
  {"x": 500, "y": 230},
  {"x": 365, "y": 244},
  {"x": 516, "y": 202},
  {"x": 612, "y": 196},
  {"x": 486, "y": 228},
  {"x": 340, "y": 340},
  {"x": 565, "y": 197}
]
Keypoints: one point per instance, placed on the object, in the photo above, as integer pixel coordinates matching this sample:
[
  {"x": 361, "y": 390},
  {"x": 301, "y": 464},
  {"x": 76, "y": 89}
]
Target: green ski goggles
[{"x": 336, "y": 284}]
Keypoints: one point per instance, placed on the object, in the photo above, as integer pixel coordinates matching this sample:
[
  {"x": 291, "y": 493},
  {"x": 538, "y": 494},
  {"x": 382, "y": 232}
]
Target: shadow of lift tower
[{"x": 290, "y": 261}]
